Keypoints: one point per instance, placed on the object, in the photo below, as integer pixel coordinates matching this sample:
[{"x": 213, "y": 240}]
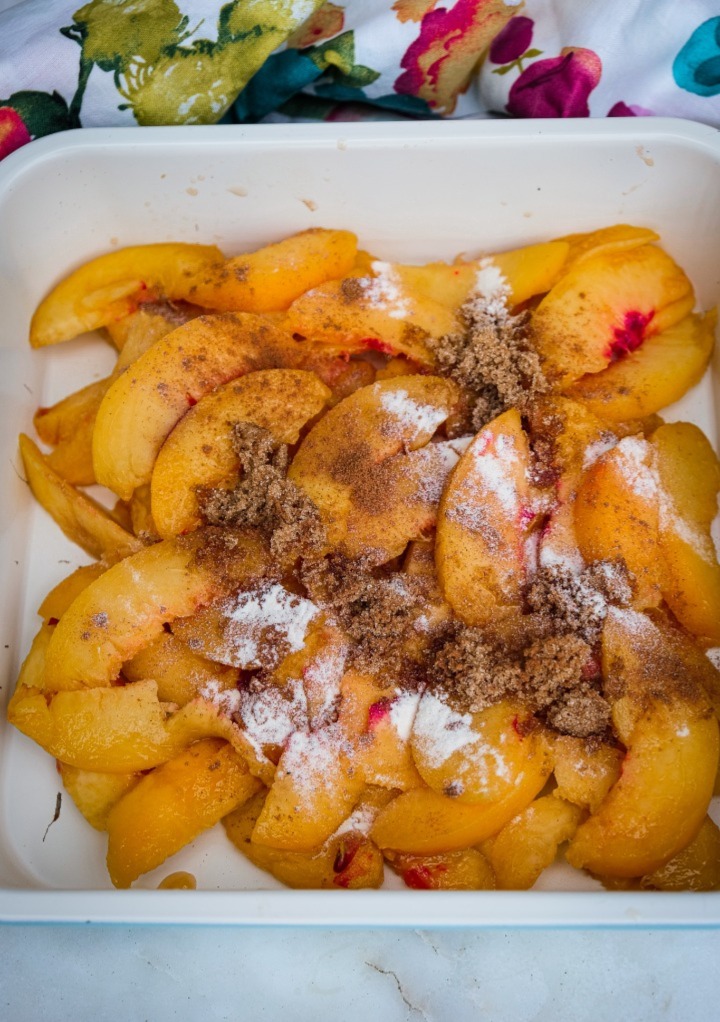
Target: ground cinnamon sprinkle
[
  {"x": 492, "y": 359},
  {"x": 264, "y": 498}
]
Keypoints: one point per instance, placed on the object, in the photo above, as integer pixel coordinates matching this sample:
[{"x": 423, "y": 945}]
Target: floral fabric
[{"x": 115, "y": 62}]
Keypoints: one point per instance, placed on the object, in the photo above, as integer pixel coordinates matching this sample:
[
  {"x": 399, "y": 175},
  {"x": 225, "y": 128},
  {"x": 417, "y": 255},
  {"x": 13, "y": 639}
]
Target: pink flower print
[
  {"x": 439, "y": 64},
  {"x": 13, "y": 132},
  {"x": 624, "y": 110},
  {"x": 557, "y": 87},
  {"x": 512, "y": 41}
]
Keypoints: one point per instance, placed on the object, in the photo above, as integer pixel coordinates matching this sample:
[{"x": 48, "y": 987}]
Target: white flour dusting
[
  {"x": 439, "y": 732},
  {"x": 265, "y": 625},
  {"x": 491, "y": 292},
  {"x": 385, "y": 290},
  {"x": 632, "y": 457},
  {"x": 410, "y": 414}
]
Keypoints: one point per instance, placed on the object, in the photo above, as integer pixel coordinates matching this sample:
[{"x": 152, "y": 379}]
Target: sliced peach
[
  {"x": 403, "y": 501},
  {"x": 140, "y": 513},
  {"x": 420, "y": 558},
  {"x": 617, "y": 515},
  {"x": 664, "y": 719},
  {"x": 356, "y": 467},
  {"x": 82, "y": 519},
  {"x": 464, "y": 870},
  {"x": 516, "y": 275},
  {"x": 62, "y": 595},
  {"x": 180, "y": 674},
  {"x": 114, "y": 730},
  {"x": 576, "y": 438},
  {"x": 144, "y": 404},
  {"x": 695, "y": 868},
  {"x": 255, "y": 627},
  {"x": 653, "y": 376},
  {"x": 529, "y": 843},
  {"x": 174, "y": 803},
  {"x": 605, "y": 307},
  {"x": 31, "y": 678},
  {"x": 199, "y": 450},
  {"x": 483, "y": 521},
  {"x": 474, "y": 758},
  {"x": 347, "y": 859},
  {"x": 585, "y": 771},
  {"x": 67, "y": 426},
  {"x": 95, "y": 793},
  {"x": 140, "y": 329},
  {"x": 616, "y": 238},
  {"x": 315, "y": 788},
  {"x": 425, "y": 823},
  {"x": 378, "y": 721},
  {"x": 379, "y": 312},
  {"x": 124, "y": 609},
  {"x": 689, "y": 472},
  {"x": 272, "y": 277},
  {"x": 109, "y": 287}
]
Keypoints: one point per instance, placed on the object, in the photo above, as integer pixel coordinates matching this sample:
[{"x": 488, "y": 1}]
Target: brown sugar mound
[
  {"x": 378, "y": 614},
  {"x": 550, "y": 676},
  {"x": 475, "y": 669},
  {"x": 264, "y": 498},
  {"x": 492, "y": 359},
  {"x": 556, "y": 683},
  {"x": 562, "y": 601}
]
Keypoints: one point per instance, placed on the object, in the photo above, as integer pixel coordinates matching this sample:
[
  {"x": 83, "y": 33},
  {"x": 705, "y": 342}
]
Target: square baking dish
[{"x": 412, "y": 192}]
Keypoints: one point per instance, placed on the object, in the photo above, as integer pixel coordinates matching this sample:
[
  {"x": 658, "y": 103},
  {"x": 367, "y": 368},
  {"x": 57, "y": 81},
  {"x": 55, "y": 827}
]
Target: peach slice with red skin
[
  {"x": 654, "y": 375},
  {"x": 375, "y": 313},
  {"x": 347, "y": 860},
  {"x": 662, "y": 715},
  {"x": 143, "y": 405},
  {"x": 110, "y": 287},
  {"x": 689, "y": 473},
  {"x": 399, "y": 310},
  {"x": 463, "y": 870},
  {"x": 199, "y": 450},
  {"x": 605, "y": 307},
  {"x": 377, "y": 721},
  {"x": 483, "y": 520}
]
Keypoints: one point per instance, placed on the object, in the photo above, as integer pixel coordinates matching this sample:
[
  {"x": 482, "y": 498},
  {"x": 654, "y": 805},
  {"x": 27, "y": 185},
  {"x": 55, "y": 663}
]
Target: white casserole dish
[{"x": 412, "y": 192}]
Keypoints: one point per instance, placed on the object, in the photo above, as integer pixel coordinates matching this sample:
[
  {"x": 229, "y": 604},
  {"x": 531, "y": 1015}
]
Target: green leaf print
[
  {"x": 114, "y": 33},
  {"x": 338, "y": 56},
  {"x": 164, "y": 81}
]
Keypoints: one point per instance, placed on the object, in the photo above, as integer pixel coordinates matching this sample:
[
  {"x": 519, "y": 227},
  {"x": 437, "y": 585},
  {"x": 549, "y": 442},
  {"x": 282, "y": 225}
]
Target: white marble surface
[{"x": 155, "y": 973}]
